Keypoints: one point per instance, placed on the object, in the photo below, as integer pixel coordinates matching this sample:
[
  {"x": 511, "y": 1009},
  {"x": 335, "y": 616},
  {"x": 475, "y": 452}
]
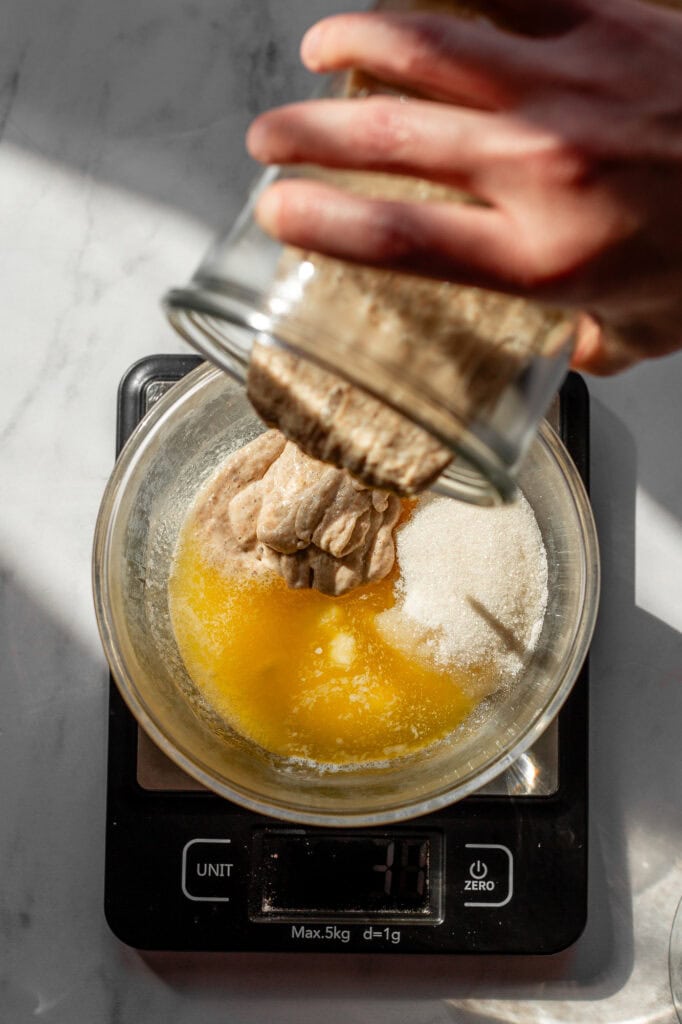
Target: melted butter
[{"x": 304, "y": 675}]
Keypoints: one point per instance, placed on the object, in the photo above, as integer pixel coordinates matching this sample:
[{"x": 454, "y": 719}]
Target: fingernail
[
  {"x": 311, "y": 45},
  {"x": 267, "y": 211},
  {"x": 254, "y": 139}
]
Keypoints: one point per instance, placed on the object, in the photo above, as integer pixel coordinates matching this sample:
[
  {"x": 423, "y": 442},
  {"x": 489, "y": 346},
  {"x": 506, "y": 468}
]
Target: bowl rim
[{"x": 124, "y": 468}]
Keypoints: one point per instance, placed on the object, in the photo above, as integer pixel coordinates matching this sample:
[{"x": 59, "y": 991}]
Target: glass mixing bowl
[{"x": 176, "y": 448}]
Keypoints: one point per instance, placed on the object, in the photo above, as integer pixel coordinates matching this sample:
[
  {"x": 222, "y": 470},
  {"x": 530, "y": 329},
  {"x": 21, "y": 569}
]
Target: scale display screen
[{"x": 395, "y": 876}]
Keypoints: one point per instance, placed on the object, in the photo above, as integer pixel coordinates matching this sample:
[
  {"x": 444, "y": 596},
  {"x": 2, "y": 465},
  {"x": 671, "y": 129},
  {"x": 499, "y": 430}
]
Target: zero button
[{"x": 490, "y": 875}]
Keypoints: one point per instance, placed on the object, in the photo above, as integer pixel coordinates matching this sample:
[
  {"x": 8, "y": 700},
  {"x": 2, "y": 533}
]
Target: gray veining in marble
[{"x": 121, "y": 127}]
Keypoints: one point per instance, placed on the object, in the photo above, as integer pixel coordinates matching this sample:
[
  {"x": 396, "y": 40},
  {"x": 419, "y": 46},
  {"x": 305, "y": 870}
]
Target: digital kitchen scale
[{"x": 503, "y": 871}]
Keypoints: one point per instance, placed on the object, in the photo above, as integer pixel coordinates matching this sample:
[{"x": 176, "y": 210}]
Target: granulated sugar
[{"x": 472, "y": 591}]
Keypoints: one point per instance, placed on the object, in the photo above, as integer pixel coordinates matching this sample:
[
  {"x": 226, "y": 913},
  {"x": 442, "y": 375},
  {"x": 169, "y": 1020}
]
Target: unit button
[
  {"x": 208, "y": 871},
  {"x": 489, "y": 875}
]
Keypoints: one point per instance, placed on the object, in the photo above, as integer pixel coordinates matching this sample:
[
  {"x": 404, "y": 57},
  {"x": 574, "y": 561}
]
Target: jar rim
[{"x": 222, "y": 324}]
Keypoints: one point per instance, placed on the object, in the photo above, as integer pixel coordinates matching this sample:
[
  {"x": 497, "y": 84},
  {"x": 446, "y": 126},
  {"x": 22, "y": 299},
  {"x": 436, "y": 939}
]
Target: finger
[
  {"x": 444, "y": 144},
  {"x": 604, "y": 347},
  {"x": 445, "y": 57},
  {"x": 449, "y": 241},
  {"x": 599, "y": 351},
  {"x": 538, "y": 17}
]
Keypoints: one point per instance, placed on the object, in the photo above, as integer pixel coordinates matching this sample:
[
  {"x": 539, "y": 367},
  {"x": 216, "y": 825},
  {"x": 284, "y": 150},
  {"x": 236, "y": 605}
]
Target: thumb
[{"x": 599, "y": 350}]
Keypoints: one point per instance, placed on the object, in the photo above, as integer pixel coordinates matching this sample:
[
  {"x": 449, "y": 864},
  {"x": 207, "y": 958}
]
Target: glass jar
[{"x": 447, "y": 382}]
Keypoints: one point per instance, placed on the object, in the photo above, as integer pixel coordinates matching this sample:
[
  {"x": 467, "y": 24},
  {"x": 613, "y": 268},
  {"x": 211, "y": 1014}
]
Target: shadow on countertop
[
  {"x": 52, "y": 810},
  {"x": 152, "y": 97}
]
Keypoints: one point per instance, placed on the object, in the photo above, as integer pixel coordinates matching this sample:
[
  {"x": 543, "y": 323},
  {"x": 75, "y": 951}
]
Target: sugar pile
[{"x": 472, "y": 591}]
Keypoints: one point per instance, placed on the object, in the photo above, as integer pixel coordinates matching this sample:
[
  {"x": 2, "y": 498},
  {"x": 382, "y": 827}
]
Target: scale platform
[{"x": 503, "y": 871}]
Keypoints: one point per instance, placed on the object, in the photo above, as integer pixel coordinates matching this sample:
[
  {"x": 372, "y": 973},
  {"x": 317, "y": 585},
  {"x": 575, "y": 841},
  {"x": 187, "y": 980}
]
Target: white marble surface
[{"x": 122, "y": 127}]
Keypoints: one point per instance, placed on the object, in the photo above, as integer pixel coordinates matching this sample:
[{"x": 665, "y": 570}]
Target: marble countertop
[{"x": 122, "y": 127}]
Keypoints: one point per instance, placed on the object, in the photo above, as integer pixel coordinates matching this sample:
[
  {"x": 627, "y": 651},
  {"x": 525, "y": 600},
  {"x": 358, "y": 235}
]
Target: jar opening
[{"x": 223, "y": 325}]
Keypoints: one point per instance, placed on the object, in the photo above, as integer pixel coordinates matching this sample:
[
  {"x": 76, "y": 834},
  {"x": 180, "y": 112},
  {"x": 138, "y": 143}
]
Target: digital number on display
[{"x": 303, "y": 874}]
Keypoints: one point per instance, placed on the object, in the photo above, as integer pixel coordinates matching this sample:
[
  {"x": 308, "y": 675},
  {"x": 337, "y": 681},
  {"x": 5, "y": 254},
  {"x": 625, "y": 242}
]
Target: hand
[{"x": 571, "y": 140}]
